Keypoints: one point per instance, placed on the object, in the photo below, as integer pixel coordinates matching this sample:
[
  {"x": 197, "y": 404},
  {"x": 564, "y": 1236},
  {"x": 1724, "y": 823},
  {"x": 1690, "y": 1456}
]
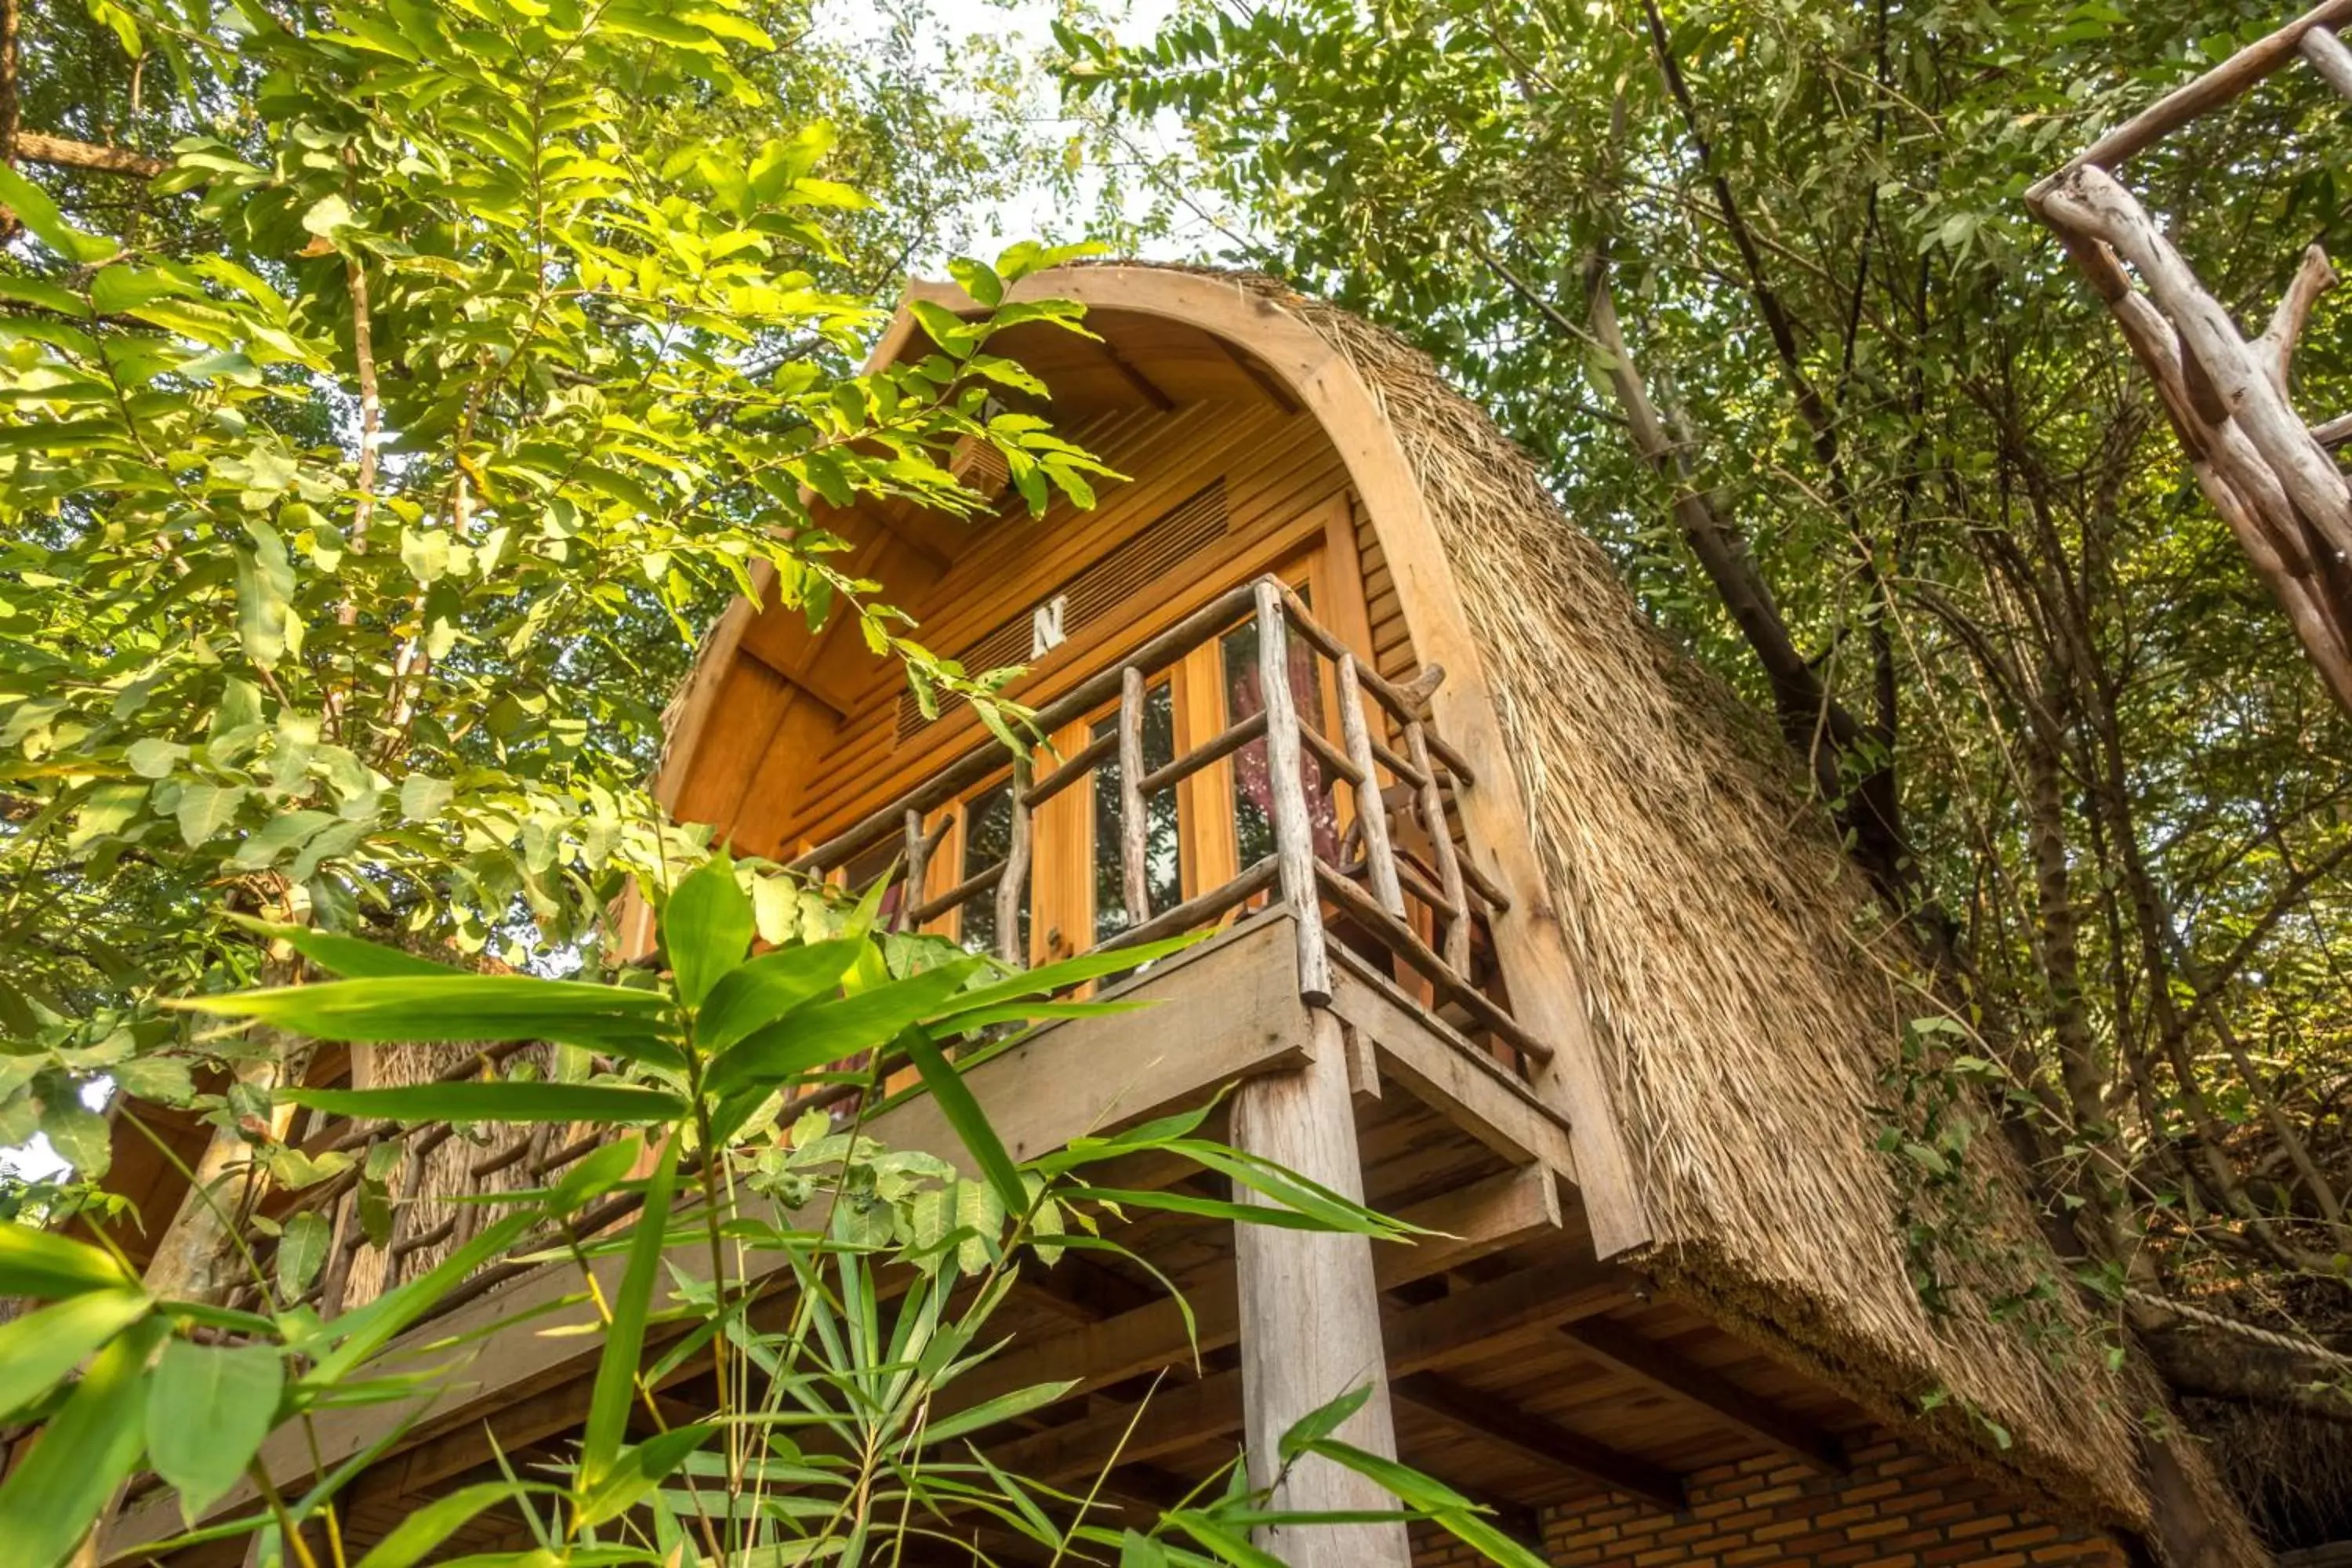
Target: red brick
[
  {"x": 1876, "y": 1490},
  {"x": 1749, "y": 1555},
  {"x": 2037, "y": 1536},
  {"x": 1983, "y": 1525},
  {"x": 1844, "y": 1516},
  {"x": 1590, "y": 1537}
]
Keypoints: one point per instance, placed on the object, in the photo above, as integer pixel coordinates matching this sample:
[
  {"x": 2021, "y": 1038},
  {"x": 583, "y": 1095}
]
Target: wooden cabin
[{"x": 1519, "y": 932}]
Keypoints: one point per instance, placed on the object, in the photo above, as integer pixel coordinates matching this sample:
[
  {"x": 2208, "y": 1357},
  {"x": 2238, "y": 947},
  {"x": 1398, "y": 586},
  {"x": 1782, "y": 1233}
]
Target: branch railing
[{"x": 1398, "y": 769}]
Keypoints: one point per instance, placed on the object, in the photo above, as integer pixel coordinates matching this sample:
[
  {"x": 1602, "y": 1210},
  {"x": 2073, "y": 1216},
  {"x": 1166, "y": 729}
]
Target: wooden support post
[
  {"x": 1309, "y": 1310},
  {"x": 1014, "y": 886},
  {"x": 1372, "y": 811},
  {"x": 1134, "y": 825},
  {"x": 1294, "y": 829}
]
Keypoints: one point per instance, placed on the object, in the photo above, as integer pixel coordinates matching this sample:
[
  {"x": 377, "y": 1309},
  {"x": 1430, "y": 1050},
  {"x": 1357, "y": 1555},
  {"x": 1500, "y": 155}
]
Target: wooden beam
[
  {"x": 1454, "y": 1077},
  {"x": 1249, "y": 365},
  {"x": 1145, "y": 388},
  {"x": 1493, "y": 1419},
  {"x": 1483, "y": 1218},
  {"x": 1469, "y": 1322},
  {"x": 1619, "y": 1348}
]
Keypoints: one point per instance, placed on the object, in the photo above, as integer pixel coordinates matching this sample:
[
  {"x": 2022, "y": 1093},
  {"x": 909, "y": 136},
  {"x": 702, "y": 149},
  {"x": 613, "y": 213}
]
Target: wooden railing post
[
  {"x": 1294, "y": 828},
  {"x": 1014, "y": 885},
  {"x": 1134, "y": 827},
  {"x": 1372, "y": 811},
  {"x": 919, "y": 849},
  {"x": 1457, "y": 946}
]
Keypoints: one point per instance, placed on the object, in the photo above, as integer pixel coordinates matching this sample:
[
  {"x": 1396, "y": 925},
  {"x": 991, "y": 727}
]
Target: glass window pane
[{"x": 1163, "y": 882}]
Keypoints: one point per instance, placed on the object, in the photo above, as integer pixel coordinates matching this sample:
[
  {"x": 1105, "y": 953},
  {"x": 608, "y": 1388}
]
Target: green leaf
[
  {"x": 80, "y": 1135},
  {"x": 759, "y": 992},
  {"x": 301, "y": 1249},
  {"x": 705, "y": 927},
  {"x": 819, "y": 1033},
  {"x": 616, "y": 1367},
  {"x": 637, "y": 1472},
  {"x": 1003, "y": 1407},
  {"x": 457, "y": 1006},
  {"x": 208, "y": 1408},
  {"x": 265, "y": 586},
  {"x": 164, "y": 1080},
  {"x": 345, "y": 955},
  {"x": 205, "y": 809},
  {"x": 423, "y": 797},
  {"x": 88, "y": 1447},
  {"x": 500, "y": 1101},
  {"x": 152, "y": 757},
  {"x": 414, "y": 1537},
  {"x": 326, "y": 215},
  {"x": 39, "y": 215},
  {"x": 40, "y": 1348},
  {"x": 49, "y": 1267},
  {"x": 964, "y": 1114}
]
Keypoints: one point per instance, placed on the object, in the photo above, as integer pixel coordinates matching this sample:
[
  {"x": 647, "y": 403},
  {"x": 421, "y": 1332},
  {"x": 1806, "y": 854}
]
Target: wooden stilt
[{"x": 1309, "y": 1316}]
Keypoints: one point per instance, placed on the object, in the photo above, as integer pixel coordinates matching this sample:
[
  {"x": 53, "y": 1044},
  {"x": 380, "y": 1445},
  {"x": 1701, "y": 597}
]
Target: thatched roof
[{"x": 1747, "y": 993}]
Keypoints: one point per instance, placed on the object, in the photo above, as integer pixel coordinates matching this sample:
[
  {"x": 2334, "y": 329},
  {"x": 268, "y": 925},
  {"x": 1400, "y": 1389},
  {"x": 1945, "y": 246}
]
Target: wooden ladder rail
[{"x": 2267, "y": 471}]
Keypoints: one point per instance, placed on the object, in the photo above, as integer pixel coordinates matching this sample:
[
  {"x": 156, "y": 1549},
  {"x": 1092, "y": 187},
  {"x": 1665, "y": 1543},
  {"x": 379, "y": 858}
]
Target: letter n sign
[{"x": 1046, "y": 633}]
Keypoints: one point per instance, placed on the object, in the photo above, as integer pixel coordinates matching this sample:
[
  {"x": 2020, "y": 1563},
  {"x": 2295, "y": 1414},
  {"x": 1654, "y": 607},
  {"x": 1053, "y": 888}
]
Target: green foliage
[
  {"x": 836, "y": 1416},
  {"x": 365, "y": 486}
]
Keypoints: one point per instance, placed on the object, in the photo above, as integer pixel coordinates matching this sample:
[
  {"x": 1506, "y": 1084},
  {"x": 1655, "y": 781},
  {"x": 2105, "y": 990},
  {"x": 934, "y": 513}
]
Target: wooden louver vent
[{"x": 1189, "y": 527}]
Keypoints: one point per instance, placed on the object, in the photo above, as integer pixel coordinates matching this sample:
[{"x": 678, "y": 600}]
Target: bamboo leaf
[
  {"x": 770, "y": 985},
  {"x": 88, "y": 1447},
  {"x": 820, "y": 1033},
  {"x": 40, "y": 1348},
  {"x": 624, "y": 1337},
  {"x": 414, "y": 1537},
  {"x": 345, "y": 955},
  {"x": 46, "y": 1268},
  {"x": 504, "y": 1100},
  {"x": 964, "y": 1114},
  {"x": 1003, "y": 1407}
]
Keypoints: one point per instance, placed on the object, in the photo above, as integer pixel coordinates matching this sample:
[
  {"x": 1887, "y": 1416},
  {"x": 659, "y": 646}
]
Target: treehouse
[{"x": 1516, "y": 931}]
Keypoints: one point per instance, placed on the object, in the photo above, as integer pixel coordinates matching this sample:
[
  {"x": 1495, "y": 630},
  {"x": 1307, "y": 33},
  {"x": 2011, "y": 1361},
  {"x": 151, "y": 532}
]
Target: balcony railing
[{"x": 1417, "y": 916}]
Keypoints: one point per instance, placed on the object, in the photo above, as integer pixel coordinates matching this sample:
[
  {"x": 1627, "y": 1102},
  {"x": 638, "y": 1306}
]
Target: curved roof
[{"x": 1742, "y": 997}]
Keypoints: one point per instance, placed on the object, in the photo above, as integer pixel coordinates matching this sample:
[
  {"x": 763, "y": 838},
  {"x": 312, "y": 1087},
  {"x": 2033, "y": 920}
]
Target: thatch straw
[{"x": 1742, "y": 984}]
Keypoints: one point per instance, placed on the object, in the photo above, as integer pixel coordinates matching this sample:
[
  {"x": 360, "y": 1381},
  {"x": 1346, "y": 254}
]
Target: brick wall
[{"x": 1896, "y": 1508}]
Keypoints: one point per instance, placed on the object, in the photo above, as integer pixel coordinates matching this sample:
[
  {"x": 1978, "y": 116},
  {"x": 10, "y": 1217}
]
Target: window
[{"x": 1163, "y": 882}]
